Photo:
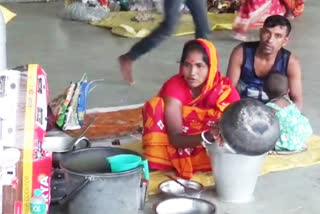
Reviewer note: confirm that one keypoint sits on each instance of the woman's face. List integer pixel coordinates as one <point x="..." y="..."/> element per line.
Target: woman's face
<point x="194" y="69"/>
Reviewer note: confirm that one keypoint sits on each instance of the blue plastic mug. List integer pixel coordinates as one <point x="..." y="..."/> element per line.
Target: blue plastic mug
<point x="124" y="162"/>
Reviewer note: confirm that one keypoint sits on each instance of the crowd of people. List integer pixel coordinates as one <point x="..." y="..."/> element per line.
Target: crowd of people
<point x="192" y="100"/>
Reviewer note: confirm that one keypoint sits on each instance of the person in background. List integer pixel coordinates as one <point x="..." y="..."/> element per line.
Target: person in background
<point x="253" y="13"/>
<point x="187" y="104"/>
<point x="251" y="62"/>
<point x="172" y="12"/>
<point x="294" y="127"/>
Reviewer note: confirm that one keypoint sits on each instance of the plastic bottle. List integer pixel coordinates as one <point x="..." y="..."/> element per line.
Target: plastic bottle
<point x="38" y="203"/>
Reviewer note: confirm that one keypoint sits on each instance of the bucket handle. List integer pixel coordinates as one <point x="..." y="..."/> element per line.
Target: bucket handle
<point x="88" y="144"/>
<point x="144" y="183"/>
<point x="67" y="197"/>
<point x="145" y="166"/>
<point x="205" y="142"/>
<point x="143" y="192"/>
<point x="154" y="207"/>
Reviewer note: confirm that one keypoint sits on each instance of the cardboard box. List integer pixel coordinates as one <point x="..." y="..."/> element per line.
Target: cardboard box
<point x="24" y="91"/>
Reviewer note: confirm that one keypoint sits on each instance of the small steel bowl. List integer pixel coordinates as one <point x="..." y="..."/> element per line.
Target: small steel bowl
<point x="172" y="188"/>
<point x="184" y="205"/>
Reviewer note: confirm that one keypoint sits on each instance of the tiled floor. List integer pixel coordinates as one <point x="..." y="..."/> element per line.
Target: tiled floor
<point x="67" y="49"/>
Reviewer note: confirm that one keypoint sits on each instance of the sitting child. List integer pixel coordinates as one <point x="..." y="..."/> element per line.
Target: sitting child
<point x="294" y="127"/>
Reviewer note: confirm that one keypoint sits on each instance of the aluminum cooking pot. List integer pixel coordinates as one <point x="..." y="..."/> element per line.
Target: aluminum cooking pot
<point x="59" y="143"/>
<point x="91" y="184"/>
<point x="249" y="127"/>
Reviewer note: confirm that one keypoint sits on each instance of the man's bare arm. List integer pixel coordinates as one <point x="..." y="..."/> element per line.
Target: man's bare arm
<point x="295" y="81"/>
<point x="235" y="63"/>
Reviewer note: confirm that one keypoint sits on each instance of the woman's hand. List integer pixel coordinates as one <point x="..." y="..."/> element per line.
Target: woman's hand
<point x="174" y="125"/>
<point x="216" y="134"/>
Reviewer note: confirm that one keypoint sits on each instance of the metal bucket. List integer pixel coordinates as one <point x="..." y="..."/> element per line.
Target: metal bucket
<point x="235" y="175"/>
<point x="92" y="188"/>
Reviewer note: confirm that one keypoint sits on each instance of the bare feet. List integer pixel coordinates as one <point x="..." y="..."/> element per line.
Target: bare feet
<point x="126" y="68"/>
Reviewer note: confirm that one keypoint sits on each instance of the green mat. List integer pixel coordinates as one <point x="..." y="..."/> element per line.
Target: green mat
<point x="122" y="25"/>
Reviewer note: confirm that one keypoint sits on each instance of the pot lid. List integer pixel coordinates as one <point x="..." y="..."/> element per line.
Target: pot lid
<point x="250" y="127"/>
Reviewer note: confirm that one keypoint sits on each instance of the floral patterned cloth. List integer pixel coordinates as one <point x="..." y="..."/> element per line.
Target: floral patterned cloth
<point x="294" y="127"/>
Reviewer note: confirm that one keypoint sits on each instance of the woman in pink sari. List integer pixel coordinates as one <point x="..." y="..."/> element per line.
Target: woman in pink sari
<point x="252" y="14"/>
<point x="185" y="107"/>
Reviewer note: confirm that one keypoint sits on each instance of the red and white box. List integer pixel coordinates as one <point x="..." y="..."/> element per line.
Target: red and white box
<point x="25" y="166"/>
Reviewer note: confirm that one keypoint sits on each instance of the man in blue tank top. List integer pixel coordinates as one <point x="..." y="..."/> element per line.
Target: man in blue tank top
<point x="251" y="62"/>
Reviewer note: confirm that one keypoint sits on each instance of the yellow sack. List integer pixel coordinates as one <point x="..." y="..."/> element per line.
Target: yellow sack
<point x="121" y="24"/>
<point x="8" y="15"/>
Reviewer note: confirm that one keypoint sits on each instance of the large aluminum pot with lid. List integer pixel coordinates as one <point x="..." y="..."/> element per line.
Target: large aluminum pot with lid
<point x="249" y="127"/>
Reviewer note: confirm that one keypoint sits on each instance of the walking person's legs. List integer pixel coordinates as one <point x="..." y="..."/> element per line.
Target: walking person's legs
<point x="198" y="10"/>
<point x="165" y="29"/>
